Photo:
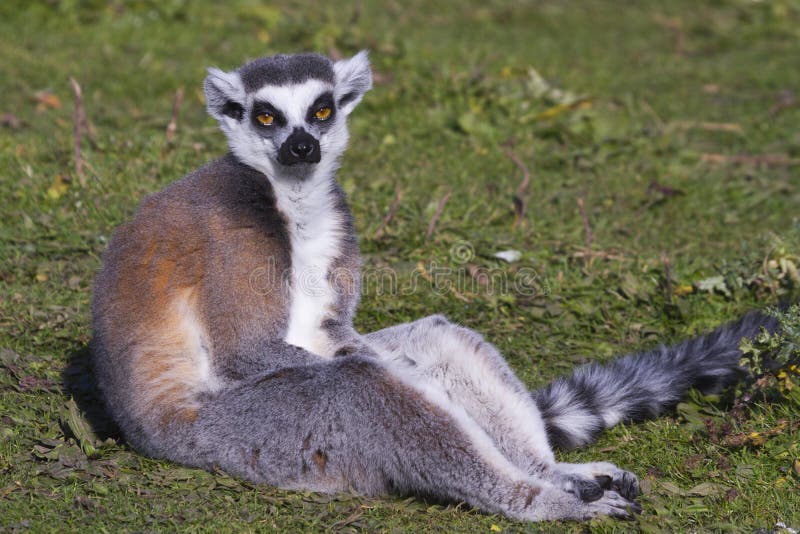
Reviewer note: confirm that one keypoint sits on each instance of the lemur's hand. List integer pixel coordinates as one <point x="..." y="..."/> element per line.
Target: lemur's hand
<point x="355" y="347"/>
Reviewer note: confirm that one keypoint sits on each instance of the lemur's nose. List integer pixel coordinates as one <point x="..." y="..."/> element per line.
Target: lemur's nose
<point x="301" y="149"/>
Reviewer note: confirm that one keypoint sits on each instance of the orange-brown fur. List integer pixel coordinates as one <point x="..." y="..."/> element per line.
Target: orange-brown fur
<point x="174" y="292"/>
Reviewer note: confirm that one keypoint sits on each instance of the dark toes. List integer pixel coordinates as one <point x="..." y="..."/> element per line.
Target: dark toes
<point x="627" y="510"/>
<point x="626" y="484"/>
<point x="604" y="481"/>
<point x="588" y="490"/>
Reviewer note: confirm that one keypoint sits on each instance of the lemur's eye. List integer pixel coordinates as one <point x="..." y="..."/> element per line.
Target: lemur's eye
<point x="322" y="114"/>
<point x="265" y="118"/>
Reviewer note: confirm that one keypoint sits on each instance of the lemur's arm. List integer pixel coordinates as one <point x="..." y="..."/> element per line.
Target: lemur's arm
<point x="265" y="356"/>
<point x="347" y="340"/>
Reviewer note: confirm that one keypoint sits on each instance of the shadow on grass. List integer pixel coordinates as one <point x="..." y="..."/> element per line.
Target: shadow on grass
<point x="79" y="381"/>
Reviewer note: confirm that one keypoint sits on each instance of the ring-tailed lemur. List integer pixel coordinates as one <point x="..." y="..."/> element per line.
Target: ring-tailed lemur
<point x="208" y="356"/>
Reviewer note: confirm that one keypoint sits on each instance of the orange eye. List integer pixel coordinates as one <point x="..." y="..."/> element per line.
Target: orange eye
<point x="265" y="118"/>
<point x="322" y="114"/>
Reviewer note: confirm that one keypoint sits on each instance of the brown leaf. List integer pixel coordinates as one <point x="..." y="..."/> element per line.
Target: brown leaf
<point x="46" y="100"/>
<point x="31" y="383"/>
<point x="10" y="120"/>
<point x="706" y="489"/>
<point x="665" y="190"/>
<point x="667" y="487"/>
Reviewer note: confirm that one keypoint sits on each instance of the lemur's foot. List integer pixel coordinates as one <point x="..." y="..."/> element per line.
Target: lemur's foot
<point x="565" y="500"/>
<point x="615" y="505"/>
<point x="589" y="481"/>
<point x="623" y="482"/>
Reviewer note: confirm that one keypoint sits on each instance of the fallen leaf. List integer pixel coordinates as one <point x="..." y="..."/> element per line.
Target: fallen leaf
<point x="683" y="289"/>
<point x="58" y="188"/>
<point x="471" y="124"/>
<point x="664" y="190"/>
<point x="714" y="284"/>
<point x="669" y="487"/>
<point x="509" y="256"/>
<point x="46" y="100"/>
<point x="10" y="120"/>
<point x="745" y="471"/>
<point x="80" y="429"/>
<point x="706" y="489"/>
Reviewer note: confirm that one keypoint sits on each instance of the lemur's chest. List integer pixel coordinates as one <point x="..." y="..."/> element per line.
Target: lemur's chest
<point x="315" y="237"/>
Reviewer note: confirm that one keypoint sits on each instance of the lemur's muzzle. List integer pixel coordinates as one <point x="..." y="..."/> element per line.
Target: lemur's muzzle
<point x="299" y="147"/>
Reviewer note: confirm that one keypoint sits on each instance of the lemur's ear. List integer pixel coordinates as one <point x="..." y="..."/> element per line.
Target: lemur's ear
<point x="224" y="95"/>
<point x="353" y="79"/>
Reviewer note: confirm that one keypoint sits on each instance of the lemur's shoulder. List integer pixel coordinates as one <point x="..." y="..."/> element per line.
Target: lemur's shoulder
<point x="224" y="183"/>
<point x="199" y="220"/>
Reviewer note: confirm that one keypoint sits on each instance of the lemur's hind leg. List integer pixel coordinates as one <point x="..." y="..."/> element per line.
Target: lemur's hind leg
<point x="474" y="375"/>
<point x="352" y="424"/>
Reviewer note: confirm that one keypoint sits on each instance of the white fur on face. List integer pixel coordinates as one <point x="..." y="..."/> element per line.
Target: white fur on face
<point x="293" y="100"/>
<point x="353" y="77"/>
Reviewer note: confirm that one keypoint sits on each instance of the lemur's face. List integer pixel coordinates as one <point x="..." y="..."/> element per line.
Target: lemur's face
<point x="286" y="115"/>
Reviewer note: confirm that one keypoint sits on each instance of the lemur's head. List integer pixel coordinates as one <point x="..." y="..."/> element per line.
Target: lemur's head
<point x="286" y="115"/>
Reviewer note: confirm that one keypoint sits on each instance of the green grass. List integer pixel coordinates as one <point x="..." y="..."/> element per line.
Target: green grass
<point x="453" y="91"/>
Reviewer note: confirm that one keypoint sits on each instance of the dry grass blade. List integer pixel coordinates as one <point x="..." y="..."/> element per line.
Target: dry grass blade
<point x="769" y="160"/>
<point x="78" y="126"/>
<point x="675" y="25"/>
<point x="172" y="126"/>
<point x="521" y="194"/>
<point x="730" y="127"/>
<point x="398" y="197"/>
<point x="587" y="229"/>
<point x="667" y="277"/>
<point x="435" y="218"/>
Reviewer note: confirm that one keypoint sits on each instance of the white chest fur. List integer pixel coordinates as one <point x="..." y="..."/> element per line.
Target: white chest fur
<point x="314" y="228"/>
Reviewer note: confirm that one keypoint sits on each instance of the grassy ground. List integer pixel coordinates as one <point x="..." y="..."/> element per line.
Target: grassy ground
<point x="673" y="125"/>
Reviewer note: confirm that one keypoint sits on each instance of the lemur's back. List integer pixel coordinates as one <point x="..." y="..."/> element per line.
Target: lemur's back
<point x="190" y="277"/>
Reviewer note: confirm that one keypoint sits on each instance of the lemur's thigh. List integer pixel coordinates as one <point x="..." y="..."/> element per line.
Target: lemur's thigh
<point x="474" y="375"/>
<point x="352" y="424"/>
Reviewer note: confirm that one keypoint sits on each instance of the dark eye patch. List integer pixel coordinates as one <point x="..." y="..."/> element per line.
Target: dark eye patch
<point x="233" y="109"/>
<point x="325" y="100"/>
<point x="259" y="108"/>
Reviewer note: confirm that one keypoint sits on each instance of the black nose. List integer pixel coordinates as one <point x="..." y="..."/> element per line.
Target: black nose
<point x="299" y="147"/>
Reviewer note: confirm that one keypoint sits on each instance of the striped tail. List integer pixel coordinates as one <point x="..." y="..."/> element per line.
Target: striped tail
<point x="596" y="396"/>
